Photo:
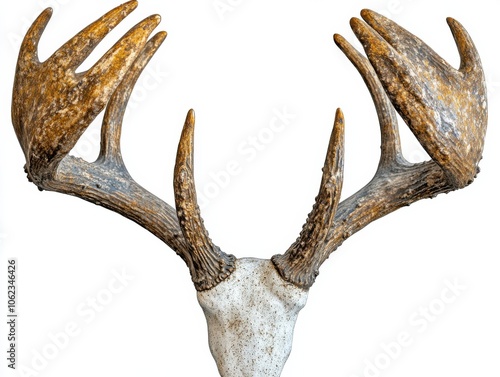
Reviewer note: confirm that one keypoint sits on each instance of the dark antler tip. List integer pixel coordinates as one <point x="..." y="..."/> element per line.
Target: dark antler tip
<point x="454" y="24"/>
<point x="354" y="22"/>
<point x="358" y="27"/>
<point x="451" y="20"/>
<point x="43" y="18"/>
<point x="338" y="39"/>
<point x="371" y="16"/>
<point x="366" y="13"/>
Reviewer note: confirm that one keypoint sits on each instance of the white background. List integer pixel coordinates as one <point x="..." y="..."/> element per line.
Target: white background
<point x="235" y="69"/>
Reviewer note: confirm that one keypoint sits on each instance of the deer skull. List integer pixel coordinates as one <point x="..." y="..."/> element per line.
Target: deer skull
<point x="250" y="305"/>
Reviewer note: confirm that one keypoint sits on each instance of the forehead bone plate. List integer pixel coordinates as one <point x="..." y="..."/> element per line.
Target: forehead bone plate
<point x="251" y="316"/>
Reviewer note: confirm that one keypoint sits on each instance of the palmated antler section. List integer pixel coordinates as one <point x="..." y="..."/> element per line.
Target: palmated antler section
<point x="444" y="107"/>
<point x="211" y="265"/>
<point x="53" y="105"/>
<point x="300" y="264"/>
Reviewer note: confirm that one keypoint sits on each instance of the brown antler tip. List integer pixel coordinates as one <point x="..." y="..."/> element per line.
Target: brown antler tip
<point x="354" y="22"/>
<point x="155" y="42"/>
<point x="365" y="13"/>
<point x="130" y="5"/>
<point x="370" y="15"/>
<point x="339" y="117"/>
<point x="342" y="43"/>
<point x="190" y="117"/>
<point x="363" y="32"/>
<point x="151" y="22"/>
<point x="156" y="18"/>
<point x="187" y="136"/>
<point x="470" y="62"/>
<point x="47" y="12"/>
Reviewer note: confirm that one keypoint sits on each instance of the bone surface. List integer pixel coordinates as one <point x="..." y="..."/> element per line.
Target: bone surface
<point x="250" y="317"/>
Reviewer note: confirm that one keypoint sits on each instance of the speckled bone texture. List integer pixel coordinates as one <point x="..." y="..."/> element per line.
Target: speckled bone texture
<point x="251" y="317"/>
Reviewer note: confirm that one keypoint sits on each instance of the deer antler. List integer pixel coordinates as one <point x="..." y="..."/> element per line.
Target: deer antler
<point x="51" y="108"/>
<point x="445" y="108"/>
<point x="251" y="305"/>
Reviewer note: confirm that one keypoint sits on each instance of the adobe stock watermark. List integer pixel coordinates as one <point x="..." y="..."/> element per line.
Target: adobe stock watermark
<point x="418" y="322"/>
<point x="150" y="80"/>
<point x="225" y="7"/>
<point x="246" y="152"/>
<point x="16" y="38"/>
<point x="493" y="84"/>
<point x="393" y="7"/>
<point x="86" y="312"/>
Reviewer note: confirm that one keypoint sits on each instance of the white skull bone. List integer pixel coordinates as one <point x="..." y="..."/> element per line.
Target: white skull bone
<point x="251" y="317"/>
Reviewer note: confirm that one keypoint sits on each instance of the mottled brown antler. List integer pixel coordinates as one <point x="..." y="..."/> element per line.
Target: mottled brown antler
<point x="207" y="257"/>
<point x="444" y="107"/>
<point x="53" y="105"/>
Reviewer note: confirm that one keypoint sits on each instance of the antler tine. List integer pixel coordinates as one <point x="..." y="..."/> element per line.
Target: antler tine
<point x="29" y="47"/>
<point x="26" y="62"/>
<point x="469" y="57"/>
<point x="110" y="152"/>
<point x="391" y="152"/>
<point x="210" y="264"/>
<point x="300" y="263"/>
